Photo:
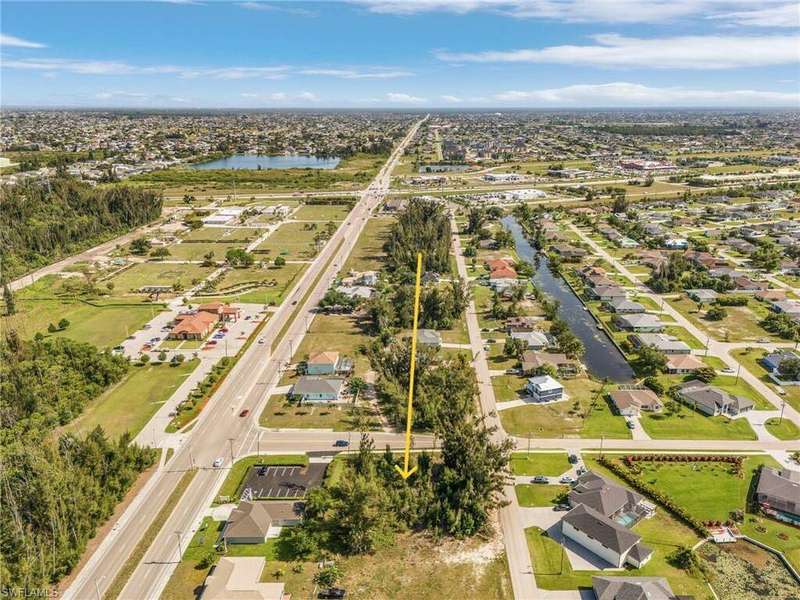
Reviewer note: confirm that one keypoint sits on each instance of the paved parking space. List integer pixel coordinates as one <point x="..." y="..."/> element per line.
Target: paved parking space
<point x="283" y="481"/>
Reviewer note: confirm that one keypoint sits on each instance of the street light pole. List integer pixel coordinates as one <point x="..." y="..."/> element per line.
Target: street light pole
<point x="97" y="587"/>
<point x="180" y="547"/>
<point x="783" y="405"/>
<point x="230" y="441"/>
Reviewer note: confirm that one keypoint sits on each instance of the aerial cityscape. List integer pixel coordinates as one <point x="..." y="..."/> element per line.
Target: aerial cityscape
<point x="383" y="299"/>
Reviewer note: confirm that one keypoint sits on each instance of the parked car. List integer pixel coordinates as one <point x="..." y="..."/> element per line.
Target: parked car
<point x="513" y="371"/>
<point x="218" y="462"/>
<point x="539" y="479"/>
<point x="566" y="479"/>
<point x="630" y="424"/>
<point x="561" y="507"/>
<point x="245" y="412"/>
<point x="332" y="594"/>
<point x="224" y="330"/>
<point x="341" y="444"/>
<point x="211" y="342"/>
<point x="726" y="370"/>
<point x="581" y="470"/>
<point x="573" y="459"/>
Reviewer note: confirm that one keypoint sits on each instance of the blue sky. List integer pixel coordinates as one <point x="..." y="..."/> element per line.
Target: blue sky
<point x="401" y="53"/>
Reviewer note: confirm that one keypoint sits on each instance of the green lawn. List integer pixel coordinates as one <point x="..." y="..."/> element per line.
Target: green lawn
<point x="293" y="241"/>
<point x="322" y="212"/>
<point x="154" y="273"/>
<point x="539" y="494"/>
<point x="198" y="250"/>
<point x="687" y="424"/>
<point x="281" y="413"/>
<point x="130" y="404"/>
<point x="223" y="234"/>
<point x="551" y="464"/>
<point x="749" y="358"/>
<point x="783" y="429"/>
<point x="586" y="414"/>
<point x="684" y="336"/>
<point x="740" y="325"/>
<point x="775" y="534"/>
<point x="368" y="254"/>
<point x="256" y="285"/>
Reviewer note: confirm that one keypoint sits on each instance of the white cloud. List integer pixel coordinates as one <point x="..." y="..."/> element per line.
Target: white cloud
<point x="453" y="99"/>
<point x="278" y="7"/>
<point x="15" y="42"/>
<point x="785" y="15"/>
<point x="618" y="94"/>
<point x="404" y="98"/>
<point x="688" y="52"/>
<point x="354" y="74"/>
<point x="593" y="11"/>
<point x="281" y="96"/>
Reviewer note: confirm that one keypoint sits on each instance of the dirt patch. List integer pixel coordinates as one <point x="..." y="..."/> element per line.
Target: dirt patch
<point x="749" y="553"/>
<point x="478" y="552"/>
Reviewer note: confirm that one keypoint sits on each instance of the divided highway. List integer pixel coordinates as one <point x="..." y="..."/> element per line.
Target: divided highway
<point x="221" y="433"/>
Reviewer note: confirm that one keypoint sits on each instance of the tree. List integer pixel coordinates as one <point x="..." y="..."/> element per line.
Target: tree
<point x="162" y="356"/>
<point x="208" y="259"/>
<point x="654" y="384"/>
<point x="766" y="256"/>
<point x="620" y="202"/>
<point x="63" y="324"/>
<point x="279" y="261"/>
<point x="705" y="374"/>
<point x="52" y="328"/>
<point x="650" y="361"/>
<point x="160" y="253"/>
<point x="110" y="286"/>
<point x="144" y="358"/>
<point x="476" y="217"/>
<point x="328" y="576"/>
<point x="789" y="369"/>
<point x="140" y="246"/>
<point x="239" y="257"/>
<point x="513" y="348"/>
<point x="716" y="313"/>
<point x="356" y="386"/>
<point x="8" y="299"/>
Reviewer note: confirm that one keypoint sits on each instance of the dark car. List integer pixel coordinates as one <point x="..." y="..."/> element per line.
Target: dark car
<point x="573" y="459"/>
<point x="341" y="443"/>
<point x="245" y="412"/>
<point x="332" y="594"/>
<point x="540" y="479"/>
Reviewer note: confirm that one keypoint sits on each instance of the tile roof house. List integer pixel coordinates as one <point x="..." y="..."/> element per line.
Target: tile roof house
<point x="239" y="578"/>
<point x="195" y="326"/>
<point x="770" y="295"/>
<point x="632" y="588"/>
<point x="630" y="403"/>
<point x="778" y="492"/>
<point x="532" y="360"/>
<point x="712" y="400"/>
<point x="683" y="363"/>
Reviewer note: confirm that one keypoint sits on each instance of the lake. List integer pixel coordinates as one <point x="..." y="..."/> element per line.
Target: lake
<point x="603" y="359"/>
<point x="281" y="161"/>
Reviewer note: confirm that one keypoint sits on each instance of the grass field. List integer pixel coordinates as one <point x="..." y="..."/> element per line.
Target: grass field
<point x="152" y="273"/>
<point x="293" y="241"/>
<point x="586" y="414"/>
<point x="255" y="285"/>
<point x="367" y="254"/>
<point x="223" y="234"/>
<point x="197" y="250"/>
<point x="539" y="494"/>
<point x="130" y="404"/>
<point x="782" y="429"/>
<point x="322" y="212"/>
<point x="687" y="424"/>
<point x="740" y="325"/>
<point x="750" y="360"/>
<point x="550" y="464"/>
<point x="280" y="413"/>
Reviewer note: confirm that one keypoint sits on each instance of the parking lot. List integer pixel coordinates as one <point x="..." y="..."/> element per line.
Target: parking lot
<point x="283" y="481"/>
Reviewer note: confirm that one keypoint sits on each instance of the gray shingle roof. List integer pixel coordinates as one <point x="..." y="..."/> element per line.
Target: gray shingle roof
<point x="632" y="588"/>
<point x="602" y="495"/>
<point x="599" y="527"/>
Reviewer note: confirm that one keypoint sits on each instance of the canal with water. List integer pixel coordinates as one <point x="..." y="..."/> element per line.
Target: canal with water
<point x="264" y="161"/>
<point x="603" y="359"/>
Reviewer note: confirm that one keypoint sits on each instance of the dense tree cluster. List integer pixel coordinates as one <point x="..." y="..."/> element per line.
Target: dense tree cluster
<point x="393" y="306"/>
<point x="55" y="489"/>
<point x="45" y="221"/>
<point x="422" y="227"/>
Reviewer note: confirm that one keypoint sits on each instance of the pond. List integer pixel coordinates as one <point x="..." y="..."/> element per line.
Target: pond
<point x="603" y="359"/>
<point x="264" y="161"/>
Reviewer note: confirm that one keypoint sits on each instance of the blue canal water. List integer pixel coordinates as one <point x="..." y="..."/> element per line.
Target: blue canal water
<point x="603" y="359"/>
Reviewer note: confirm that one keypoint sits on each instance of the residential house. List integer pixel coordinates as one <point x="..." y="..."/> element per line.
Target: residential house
<point x="632" y="588"/>
<point x="544" y="388"/>
<point x="502" y="277"/>
<point x="712" y="400"/>
<point x="531" y="361"/>
<point x="665" y="344"/>
<point x="239" y="578"/>
<point x="629" y="403"/>
<point x="778" y="493"/>
<point x="248" y="523"/>
<point x="522" y="323"/>
<point x="429" y="337"/>
<point x="702" y="295"/>
<point x="642" y="322"/>
<point x="626" y="242"/>
<point x="534" y="340"/>
<point x="393" y="205"/>
<point x="683" y="363"/>
<point x="568" y="252"/>
<point x="605" y="293"/>
<point x="624" y="306"/>
<point x="746" y="284"/>
<point x="789" y="307"/>
<point x="770" y="295"/>
<point x="359" y="292"/>
<point x="676" y="243"/>
<point x="600" y="281"/>
<point x="328" y="363"/>
<point x="605" y="537"/>
<point x="310" y="388"/>
<point x="741" y="246"/>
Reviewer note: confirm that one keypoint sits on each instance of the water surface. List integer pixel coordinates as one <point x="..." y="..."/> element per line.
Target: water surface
<point x="264" y="161"/>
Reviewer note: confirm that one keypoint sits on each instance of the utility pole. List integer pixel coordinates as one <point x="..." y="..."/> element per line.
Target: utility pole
<point x="180" y="548"/>
<point x="230" y="442"/>
<point x="738" y="370"/>
<point x="97" y="587"/>
<point x="602" y="438"/>
<point x="783" y="405"/>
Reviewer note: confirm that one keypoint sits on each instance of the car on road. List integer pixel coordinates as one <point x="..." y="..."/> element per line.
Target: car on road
<point x="539" y="479"/>
<point x="244" y="412"/>
<point x="211" y="343"/>
<point x="630" y="424"/>
<point x="566" y="479"/>
<point x="260" y="340"/>
<point x="218" y="462"/>
<point x="224" y="330"/>
<point x="341" y="444"/>
<point x="294" y="302"/>
<point x="726" y="370"/>
<point x="573" y="459"/>
<point x="581" y="471"/>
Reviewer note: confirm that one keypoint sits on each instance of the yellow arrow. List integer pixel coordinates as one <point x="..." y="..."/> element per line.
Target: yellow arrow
<point x="404" y="472"/>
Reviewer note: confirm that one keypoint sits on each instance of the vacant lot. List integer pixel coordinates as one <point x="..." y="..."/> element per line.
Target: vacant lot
<point x="256" y="285"/>
<point x="223" y="234"/>
<point x="540" y="494"/>
<point x="281" y="413"/>
<point x="687" y="424"/>
<point x="293" y="241"/>
<point x="129" y="405"/>
<point x="322" y="212"/>
<point x="153" y="273"/>
<point x="196" y="251"/>
<point x="551" y="464"/>
<point x="367" y="255"/>
<point x="740" y="325"/>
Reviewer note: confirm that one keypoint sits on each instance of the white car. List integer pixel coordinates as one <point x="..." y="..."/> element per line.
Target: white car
<point x="567" y="479"/>
<point x="218" y="462"/>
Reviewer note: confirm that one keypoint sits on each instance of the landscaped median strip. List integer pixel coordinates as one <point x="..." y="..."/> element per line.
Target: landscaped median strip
<point x="139" y="551"/>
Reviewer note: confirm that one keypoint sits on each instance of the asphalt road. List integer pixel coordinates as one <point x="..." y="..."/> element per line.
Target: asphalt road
<point x="220" y="432"/>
